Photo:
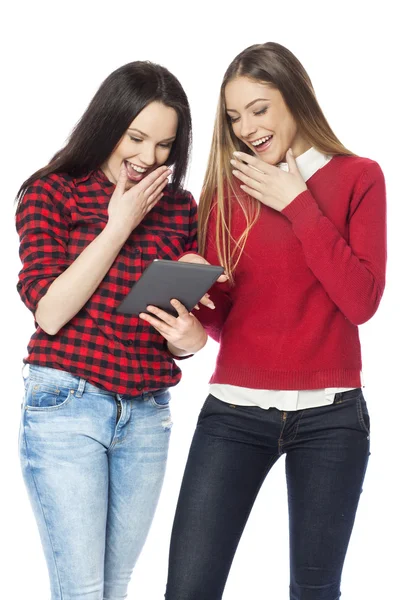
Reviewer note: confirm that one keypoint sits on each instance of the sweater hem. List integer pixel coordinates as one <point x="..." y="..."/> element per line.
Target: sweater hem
<point x="287" y="380"/>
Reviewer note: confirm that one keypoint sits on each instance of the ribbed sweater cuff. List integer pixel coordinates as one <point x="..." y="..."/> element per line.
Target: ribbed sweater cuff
<point x="298" y="205"/>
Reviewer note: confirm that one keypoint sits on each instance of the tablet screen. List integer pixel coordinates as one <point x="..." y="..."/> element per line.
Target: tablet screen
<point x="164" y="280"/>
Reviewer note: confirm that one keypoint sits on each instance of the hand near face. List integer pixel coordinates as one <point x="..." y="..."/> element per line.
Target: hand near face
<point x="127" y="209"/>
<point x="269" y="184"/>
<point x="184" y="331"/>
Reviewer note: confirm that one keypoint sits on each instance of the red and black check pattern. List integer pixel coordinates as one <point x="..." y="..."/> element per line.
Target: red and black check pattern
<point x="58" y="217"/>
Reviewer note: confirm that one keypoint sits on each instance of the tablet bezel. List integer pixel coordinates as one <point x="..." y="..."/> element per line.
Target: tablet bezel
<point x="192" y="281"/>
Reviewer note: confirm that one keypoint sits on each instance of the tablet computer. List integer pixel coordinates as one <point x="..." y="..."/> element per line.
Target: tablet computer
<point x="164" y="280"/>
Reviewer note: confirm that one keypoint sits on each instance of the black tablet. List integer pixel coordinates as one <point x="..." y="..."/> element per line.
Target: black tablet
<point x="164" y="280"/>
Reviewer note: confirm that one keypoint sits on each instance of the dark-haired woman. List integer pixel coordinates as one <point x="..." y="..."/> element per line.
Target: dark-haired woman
<point x="299" y="225"/>
<point x="96" y="419"/>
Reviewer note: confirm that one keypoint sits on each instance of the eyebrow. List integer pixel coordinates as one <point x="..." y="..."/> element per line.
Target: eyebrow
<point x="171" y="139"/>
<point x="249" y="104"/>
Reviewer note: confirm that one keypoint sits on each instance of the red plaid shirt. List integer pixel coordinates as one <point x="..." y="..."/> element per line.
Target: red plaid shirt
<point x="58" y="217"/>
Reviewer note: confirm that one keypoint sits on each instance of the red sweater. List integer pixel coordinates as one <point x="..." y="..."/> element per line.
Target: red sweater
<point x="308" y="276"/>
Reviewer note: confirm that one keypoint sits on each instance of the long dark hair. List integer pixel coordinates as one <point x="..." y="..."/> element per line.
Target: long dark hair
<point x="118" y="101"/>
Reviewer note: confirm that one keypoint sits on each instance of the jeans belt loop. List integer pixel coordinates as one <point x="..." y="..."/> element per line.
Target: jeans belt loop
<point x="81" y="387"/>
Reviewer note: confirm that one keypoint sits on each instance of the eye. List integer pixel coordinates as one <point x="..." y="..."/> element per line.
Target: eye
<point x="167" y="145"/>
<point x="133" y="139"/>
<point x="262" y="111"/>
<point x="232" y="119"/>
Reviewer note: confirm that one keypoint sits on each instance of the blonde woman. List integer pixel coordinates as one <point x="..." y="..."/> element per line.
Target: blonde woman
<point x="298" y="222"/>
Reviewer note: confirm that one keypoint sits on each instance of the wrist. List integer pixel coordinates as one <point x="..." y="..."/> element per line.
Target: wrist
<point x="200" y="344"/>
<point x="116" y="233"/>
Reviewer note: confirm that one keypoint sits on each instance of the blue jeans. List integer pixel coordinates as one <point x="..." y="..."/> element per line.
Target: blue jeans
<point x="93" y="463"/>
<point x="233" y="449"/>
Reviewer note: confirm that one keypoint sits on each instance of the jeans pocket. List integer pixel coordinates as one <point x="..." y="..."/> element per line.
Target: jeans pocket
<point x="363" y="414"/>
<point x="205" y="405"/>
<point x="46" y="397"/>
<point x="160" y="399"/>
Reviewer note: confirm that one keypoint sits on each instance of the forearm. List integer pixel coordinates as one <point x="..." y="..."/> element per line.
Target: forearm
<point x="73" y="288"/>
<point x="354" y="280"/>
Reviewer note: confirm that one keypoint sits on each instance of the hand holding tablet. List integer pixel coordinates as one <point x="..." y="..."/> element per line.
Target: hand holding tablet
<point x="164" y="280"/>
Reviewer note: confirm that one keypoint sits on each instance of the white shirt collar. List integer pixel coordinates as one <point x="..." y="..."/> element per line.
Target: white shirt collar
<point x="309" y="162"/>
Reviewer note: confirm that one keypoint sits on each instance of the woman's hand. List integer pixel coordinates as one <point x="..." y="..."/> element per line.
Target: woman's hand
<point x="269" y="184"/>
<point x="127" y="209"/>
<point x="183" y="332"/>
<point x="196" y="258"/>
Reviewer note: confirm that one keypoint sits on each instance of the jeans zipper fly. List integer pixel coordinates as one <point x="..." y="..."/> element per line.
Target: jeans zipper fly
<point x="119" y="409"/>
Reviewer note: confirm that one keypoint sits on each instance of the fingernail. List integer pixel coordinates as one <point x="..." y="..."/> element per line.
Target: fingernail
<point x="290" y="152"/>
<point x="211" y="305"/>
<point x="233" y="162"/>
<point x="236" y="153"/>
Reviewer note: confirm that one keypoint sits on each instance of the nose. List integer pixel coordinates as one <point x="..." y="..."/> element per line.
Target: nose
<point x="247" y="128"/>
<point x="148" y="155"/>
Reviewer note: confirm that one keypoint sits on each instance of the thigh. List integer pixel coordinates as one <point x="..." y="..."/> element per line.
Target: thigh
<point x="325" y="467"/>
<point x="223" y="475"/>
<point x="137" y="462"/>
<point x="66" y="473"/>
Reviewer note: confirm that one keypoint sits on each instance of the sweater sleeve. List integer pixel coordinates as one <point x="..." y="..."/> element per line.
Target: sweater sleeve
<point x="44" y="235"/>
<point x="213" y="320"/>
<point x="352" y="273"/>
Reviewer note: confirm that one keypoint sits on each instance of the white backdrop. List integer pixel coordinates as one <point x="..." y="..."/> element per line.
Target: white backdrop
<point x="55" y="56"/>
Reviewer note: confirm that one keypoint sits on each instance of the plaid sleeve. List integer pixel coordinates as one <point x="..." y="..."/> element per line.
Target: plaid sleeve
<point x="43" y="230"/>
<point x="191" y="244"/>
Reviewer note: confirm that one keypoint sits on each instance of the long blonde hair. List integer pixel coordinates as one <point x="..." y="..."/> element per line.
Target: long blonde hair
<point x="275" y="65"/>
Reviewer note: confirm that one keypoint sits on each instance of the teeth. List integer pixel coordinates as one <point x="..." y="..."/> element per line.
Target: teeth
<point x="262" y="140"/>
<point x="138" y="169"/>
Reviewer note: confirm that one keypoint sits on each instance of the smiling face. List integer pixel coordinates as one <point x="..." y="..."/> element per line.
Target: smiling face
<point x="146" y="144"/>
<point x="260" y="118"/>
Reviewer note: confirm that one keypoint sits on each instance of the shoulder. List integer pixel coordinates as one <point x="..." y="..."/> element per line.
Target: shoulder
<point x="49" y="194"/>
<point x="358" y="168"/>
<point x="181" y="197"/>
<point x="53" y="186"/>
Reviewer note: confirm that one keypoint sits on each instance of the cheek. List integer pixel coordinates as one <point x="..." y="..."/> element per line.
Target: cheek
<point x="289" y="130"/>
<point x="236" y="129"/>
<point x="162" y="155"/>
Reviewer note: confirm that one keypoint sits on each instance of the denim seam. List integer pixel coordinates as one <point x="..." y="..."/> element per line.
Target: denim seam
<point x="203" y="408"/>
<point x="280" y="439"/>
<point x="43" y="513"/>
<point x="296" y="430"/>
<point x="361" y="417"/>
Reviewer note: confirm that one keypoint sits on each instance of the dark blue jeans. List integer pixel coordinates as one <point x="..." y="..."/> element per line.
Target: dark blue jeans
<point x="233" y="449"/>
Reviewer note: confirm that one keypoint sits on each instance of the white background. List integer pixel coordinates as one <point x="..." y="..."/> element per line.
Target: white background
<point x="55" y="56"/>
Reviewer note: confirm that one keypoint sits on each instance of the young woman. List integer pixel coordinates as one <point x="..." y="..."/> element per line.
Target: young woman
<point x="299" y="225"/>
<point x="95" y="420"/>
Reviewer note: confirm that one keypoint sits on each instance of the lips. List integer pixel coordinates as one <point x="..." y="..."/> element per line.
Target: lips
<point x="262" y="144"/>
<point x="135" y="172"/>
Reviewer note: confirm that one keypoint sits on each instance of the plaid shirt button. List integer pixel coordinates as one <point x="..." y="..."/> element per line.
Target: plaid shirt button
<point x="58" y="218"/>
